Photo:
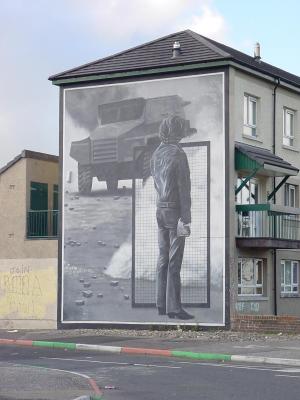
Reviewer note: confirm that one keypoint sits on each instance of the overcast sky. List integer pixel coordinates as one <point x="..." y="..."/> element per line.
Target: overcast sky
<point x="39" y="38"/>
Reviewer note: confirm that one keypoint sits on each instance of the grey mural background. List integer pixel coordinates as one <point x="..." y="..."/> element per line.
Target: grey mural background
<point x="97" y="226"/>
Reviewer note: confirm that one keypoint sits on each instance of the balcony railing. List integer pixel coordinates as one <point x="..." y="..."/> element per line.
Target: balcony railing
<point x="42" y="224"/>
<point x="268" y="221"/>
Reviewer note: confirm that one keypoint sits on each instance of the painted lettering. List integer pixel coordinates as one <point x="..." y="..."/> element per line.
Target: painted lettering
<point x="254" y="307"/>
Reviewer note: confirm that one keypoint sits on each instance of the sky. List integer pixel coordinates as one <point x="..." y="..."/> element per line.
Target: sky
<point x="39" y="38"/>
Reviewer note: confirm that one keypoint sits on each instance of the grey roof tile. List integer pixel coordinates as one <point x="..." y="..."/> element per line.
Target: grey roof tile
<point x="260" y="66"/>
<point x="153" y="54"/>
<point x="195" y="48"/>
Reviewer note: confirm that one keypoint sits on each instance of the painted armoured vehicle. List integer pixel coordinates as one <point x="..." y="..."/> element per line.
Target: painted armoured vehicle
<point x="123" y="125"/>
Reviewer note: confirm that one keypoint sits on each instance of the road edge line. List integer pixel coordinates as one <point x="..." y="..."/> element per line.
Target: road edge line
<point x="266" y="360"/>
<point x="152" y="352"/>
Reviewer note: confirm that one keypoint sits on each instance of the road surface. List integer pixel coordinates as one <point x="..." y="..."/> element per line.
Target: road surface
<point x="47" y="374"/>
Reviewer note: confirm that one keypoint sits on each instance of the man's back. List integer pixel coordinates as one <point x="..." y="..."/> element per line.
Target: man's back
<point x="164" y="171"/>
<point x="171" y="174"/>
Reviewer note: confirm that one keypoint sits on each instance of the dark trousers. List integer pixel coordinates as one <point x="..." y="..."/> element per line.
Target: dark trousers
<point x="171" y="249"/>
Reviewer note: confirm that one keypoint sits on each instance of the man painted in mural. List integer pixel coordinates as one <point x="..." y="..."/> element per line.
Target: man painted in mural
<point x="171" y="174"/>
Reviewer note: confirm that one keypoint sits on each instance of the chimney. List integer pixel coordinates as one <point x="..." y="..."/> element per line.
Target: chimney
<point x="257" y="56"/>
<point x="176" y="50"/>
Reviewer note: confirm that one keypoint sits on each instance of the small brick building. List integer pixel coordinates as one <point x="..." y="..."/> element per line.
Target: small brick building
<point x="28" y="246"/>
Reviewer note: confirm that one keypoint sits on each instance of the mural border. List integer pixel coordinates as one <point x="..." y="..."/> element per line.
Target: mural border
<point x="61" y="323"/>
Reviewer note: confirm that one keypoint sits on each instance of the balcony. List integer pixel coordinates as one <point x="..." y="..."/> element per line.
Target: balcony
<point x="268" y="226"/>
<point x="42" y="224"/>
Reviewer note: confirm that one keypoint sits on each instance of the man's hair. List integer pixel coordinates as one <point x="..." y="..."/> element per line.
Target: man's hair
<point x="172" y="129"/>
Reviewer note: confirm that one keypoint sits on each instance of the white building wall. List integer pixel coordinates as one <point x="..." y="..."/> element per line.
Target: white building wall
<point x="241" y="83"/>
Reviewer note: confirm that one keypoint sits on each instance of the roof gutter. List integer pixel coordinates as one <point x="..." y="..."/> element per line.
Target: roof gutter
<point x="136" y="73"/>
<point x="170" y="69"/>
<point x="277" y="83"/>
<point x="280" y="171"/>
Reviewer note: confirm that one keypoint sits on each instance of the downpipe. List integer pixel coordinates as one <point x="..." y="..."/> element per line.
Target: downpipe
<point x="277" y="80"/>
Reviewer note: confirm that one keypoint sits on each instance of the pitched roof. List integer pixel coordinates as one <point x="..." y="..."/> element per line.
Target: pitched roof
<point x="264" y="158"/>
<point x="261" y="66"/>
<point x="195" y="48"/>
<point x="30" y="154"/>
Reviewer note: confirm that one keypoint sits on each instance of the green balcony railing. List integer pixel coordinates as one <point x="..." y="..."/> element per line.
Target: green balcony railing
<point x="42" y="224"/>
<point x="267" y="221"/>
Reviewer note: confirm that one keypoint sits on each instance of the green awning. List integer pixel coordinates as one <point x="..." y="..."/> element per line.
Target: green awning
<point x="249" y="158"/>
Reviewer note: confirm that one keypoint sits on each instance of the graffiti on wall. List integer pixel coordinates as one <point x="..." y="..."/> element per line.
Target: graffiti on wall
<point x="245" y="306"/>
<point x="144" y="202"/>
<point x="28" y="289"/>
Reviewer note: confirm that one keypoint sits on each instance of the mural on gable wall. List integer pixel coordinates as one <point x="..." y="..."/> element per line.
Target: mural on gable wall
<point x="144" y="202"/>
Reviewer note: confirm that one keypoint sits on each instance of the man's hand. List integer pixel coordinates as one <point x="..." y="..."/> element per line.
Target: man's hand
<point x="188" y="229"/>
<point x="183" y="229"/>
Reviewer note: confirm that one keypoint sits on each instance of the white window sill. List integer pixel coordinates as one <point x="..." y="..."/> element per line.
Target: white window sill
<point x="252" y="298"/>
<point x="254" y="138"/>
<point x="284" y="146"/>
<point x="289" y="295"/>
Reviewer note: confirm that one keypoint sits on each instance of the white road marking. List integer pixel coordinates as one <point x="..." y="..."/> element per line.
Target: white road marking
<point x="228" y="366"/>
<point x="256" y="346"/>
<point x="288" y="348"/>
<point x="68" y="372"/>
<point x="49" y="368"/>
<point x="289" y="370"/>
<point x="157" y="366"/>
<point x="110" y="362"/>
<point x="250" y="346"/>
<point x="289" y="376"/>
<point x="88" y="361"/>
<point x="234" y="366"/>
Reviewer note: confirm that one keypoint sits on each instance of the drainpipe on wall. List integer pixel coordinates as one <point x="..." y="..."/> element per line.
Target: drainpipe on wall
<point x="277" y="80"/>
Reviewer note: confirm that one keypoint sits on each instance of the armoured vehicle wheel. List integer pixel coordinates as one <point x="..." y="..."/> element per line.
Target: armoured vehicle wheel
<point x="112" y="185"/>
<point x="85" y="179"/>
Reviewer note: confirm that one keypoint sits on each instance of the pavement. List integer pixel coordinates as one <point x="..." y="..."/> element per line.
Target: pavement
<point x="22" y="382"/>
<point x="206" y="345"/>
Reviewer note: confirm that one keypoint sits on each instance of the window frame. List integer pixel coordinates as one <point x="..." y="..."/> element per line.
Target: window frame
<point x="37" y="221"/>
<point x="288" y="139"/>
<point x="251" y="125"/>
<point x="283" y="284"/>
<point x="288" y="188"/>
<point x="253" y="286"/>
<point x="252" y="188"/>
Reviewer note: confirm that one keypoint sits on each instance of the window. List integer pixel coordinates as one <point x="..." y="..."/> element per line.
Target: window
<point x="38" y="196"/>
<point x="289" y="276"/>
<point x="249" y="222"/>
<point x="290" y="195"/>
<point x="42" y="222"/>
<point x="288" y="127"/>
<point x="37" y="219"/>
<point x="250" y="277"/>
<point x="249" y="193"/>
<point x="250" y="115"/>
